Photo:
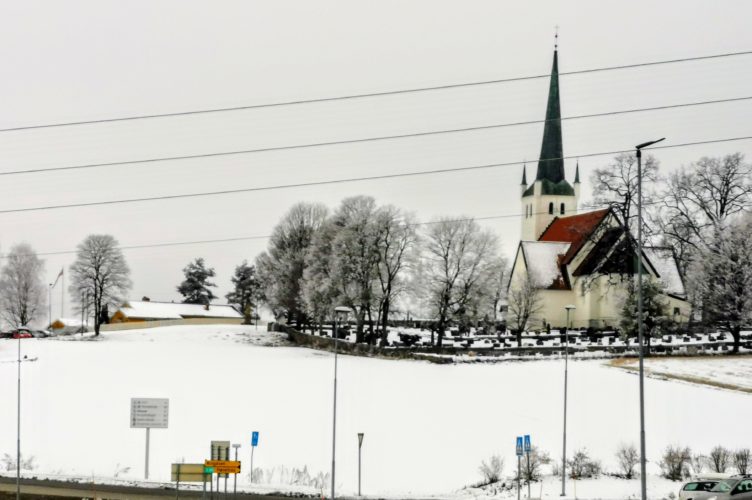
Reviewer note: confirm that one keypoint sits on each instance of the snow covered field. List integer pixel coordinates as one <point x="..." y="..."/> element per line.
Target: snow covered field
<point x="736" y="372"/>
<point x="427" y="427"/>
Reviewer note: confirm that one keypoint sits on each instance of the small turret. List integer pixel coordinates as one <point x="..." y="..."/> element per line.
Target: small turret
<point x="577" y="185"/>
<point x="524" y="177"/>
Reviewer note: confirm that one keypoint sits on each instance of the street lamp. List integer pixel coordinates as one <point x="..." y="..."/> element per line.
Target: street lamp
<point x="340" y="313"/>
<point x="360" y="445"/>
<point x="639" y="148"/>
<point x="569" y="307"/>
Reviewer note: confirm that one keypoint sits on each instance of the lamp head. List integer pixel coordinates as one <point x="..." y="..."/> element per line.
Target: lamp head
<point x="649" y="143"/>
<point x="570" y="307"/>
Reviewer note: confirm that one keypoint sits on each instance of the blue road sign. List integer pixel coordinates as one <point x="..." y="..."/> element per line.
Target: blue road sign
<point x="519" y="446"/>
<point x="527" y="443"/>
<point x="254" y="438"/>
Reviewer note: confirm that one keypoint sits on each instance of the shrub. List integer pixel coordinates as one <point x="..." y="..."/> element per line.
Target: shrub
<point x="741" y="460"/>
<point x="719" y="459"/>
<point x="675" y="462"/>
<point x="531" y="470"/>
<point x="697" y="463"/>
<point x="491" y="470"/>
<point x="582" y="466"/>
<point x="628" y="458"/>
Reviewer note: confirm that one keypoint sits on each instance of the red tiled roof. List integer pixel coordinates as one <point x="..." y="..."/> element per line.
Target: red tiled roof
<point x="574" y="229"/>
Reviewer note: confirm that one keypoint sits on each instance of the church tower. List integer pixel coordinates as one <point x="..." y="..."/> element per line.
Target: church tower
<point x="550" y="195"/>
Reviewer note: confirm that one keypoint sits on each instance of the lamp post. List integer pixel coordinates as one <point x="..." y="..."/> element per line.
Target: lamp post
<point x="360" y="445"/>
<point x="339" y="312"/>
<point x="569" y="307"/>
<point x="638" y="152"/>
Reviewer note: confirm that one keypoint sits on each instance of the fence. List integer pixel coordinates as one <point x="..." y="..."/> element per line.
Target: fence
<point x="138" y="325"/>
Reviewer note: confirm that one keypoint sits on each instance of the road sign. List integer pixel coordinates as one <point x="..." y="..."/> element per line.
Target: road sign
<point x="193" y="473"/>
<point x="220" y="450"/>
<point x="208" y="470"/>
<point x="519" y="446"/>
<point x="527" y="443"/>
<point x="224" y="466"/>
<point x="254" y="438"/>
<point x="149" y="413"/>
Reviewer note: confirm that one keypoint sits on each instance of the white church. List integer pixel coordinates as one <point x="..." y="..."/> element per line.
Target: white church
<point x="580" y="258"/>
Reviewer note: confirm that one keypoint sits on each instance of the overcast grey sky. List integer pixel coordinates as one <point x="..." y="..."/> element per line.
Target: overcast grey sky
<point x="80" y="60"/>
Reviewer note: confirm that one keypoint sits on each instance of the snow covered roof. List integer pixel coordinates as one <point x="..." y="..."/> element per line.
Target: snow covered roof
<point x="543" y="262"/>
<point x="664" y="263"/>
<point x="138" y="309"/>
<point x="70" y="322"/>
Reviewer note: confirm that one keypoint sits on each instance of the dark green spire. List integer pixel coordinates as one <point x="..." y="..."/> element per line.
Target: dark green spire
<point x="551" y="162"/>
<point x="577" y="173"/>
<point x="524" y="174"/>
<point x="550" y="165"/>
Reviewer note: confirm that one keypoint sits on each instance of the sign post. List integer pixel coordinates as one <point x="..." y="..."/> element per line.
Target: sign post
<point x="519" y="462"/>
<point x="254" y="443"/>
<point x="528" y="473"/>
<point x="360" y="445"/>
<point x="235" y="476"/>
<point x="149" y="413"/>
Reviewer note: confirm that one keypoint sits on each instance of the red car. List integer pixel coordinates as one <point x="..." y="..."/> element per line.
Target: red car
<point x="22" y="334"/>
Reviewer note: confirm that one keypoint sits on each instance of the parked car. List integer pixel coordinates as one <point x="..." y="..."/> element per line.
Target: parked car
<point x="6" y="335"/>
<point x="736" y="488"/>
<point x="41" y="334"/>
<point x="22" y="334"/>
<point x="699" y="487"/>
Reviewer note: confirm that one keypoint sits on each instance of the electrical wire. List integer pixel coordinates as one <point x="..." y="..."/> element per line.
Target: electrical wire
<point x="372" y="94"/>
<point x="348" y="180"/>
<point x="368" y="139"/>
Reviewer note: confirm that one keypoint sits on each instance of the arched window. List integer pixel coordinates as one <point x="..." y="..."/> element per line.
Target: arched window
<point x="561" y="209"/>
<point x="551" y="208"/>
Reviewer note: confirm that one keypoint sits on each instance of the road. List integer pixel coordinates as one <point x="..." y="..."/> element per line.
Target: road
<point x="39" y="489"/>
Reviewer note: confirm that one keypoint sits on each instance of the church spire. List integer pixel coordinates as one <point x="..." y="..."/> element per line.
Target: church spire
<point x="577" y="172"/>
<point x="524" y="174"/>
<point x="551" y="163"/>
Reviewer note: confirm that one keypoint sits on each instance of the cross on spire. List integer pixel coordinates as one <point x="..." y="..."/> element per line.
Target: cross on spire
<point x="556" y="38"/>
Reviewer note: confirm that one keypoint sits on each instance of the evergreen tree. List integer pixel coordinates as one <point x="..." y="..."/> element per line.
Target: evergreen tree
<point x="195" y="287"/>
<point x="246" y="292"/>
<point x="654" y="310"/>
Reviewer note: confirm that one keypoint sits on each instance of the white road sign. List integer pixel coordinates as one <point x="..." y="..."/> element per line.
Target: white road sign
<point x="149" y="412"/>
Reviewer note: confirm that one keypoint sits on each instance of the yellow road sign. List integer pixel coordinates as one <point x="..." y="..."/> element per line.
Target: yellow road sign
<point x="222" y="463"/>
<point x="227" y="470"/>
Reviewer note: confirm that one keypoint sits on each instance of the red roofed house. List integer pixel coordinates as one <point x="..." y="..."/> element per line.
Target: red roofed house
<point x="582" y="259"/>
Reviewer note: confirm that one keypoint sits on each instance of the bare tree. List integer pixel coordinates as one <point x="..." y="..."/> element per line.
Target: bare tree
<point x="21" y="286"/>
<point x="719" y="459"/>
<point x="100" y="275"/>
<point x="741" y="460"/>
<point x="499" y="283"/>
<point x="700" y="200"/>
<point x="615" y="186"/>
<point x="533" y="463"/>
<point x="458" y="257"/>
<point x="396" y="237"/>
<point x="627" y="457"/>
<point x="675" y="462"/>
<point x="492" y="470"/>
<point x="523" y="303"/>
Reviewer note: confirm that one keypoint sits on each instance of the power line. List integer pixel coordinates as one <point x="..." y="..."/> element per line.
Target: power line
<point x="348" y="180"/>
<point x="248" y="238"/>
<point x="371" y="94"/>
<point x="369" y="139"/>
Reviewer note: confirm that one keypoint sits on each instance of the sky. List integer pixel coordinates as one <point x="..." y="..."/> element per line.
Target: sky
<point x="88" y="60"/>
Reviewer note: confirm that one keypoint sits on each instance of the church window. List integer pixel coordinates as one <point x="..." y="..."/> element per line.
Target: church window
<point x="551" y="208"/>
<point x="561" y="209"/>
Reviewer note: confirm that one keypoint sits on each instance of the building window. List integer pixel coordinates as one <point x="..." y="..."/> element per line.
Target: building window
<point x="561" y="209"/>
<point x="551" y="208"/>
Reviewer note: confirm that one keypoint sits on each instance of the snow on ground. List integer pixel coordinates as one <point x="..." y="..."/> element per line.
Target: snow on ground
<point x="427" y="426"/>
<point x="736" y="371"/>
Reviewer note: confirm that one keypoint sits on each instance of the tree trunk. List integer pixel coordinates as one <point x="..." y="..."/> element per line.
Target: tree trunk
<point x="518" y="333"/>
<point x="736" y="334"/>
<point x="359" y="325"/>
<point x="384" y="317"/>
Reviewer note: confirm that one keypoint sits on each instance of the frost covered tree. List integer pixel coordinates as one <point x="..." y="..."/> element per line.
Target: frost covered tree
<point x="100" y="275"/>
<point x="498" y="284"/>
<point x="700" y="200"/>
<point x="524" y="302"/>
<point x="726" y="284"/>
<point x="281" y="267"/>
<point x="615" y="186"/>
<point x="21" y="286"/>
<point x="246" y="291"/>
<point x="458" y="257"/>
<point x="196" y="287"/>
